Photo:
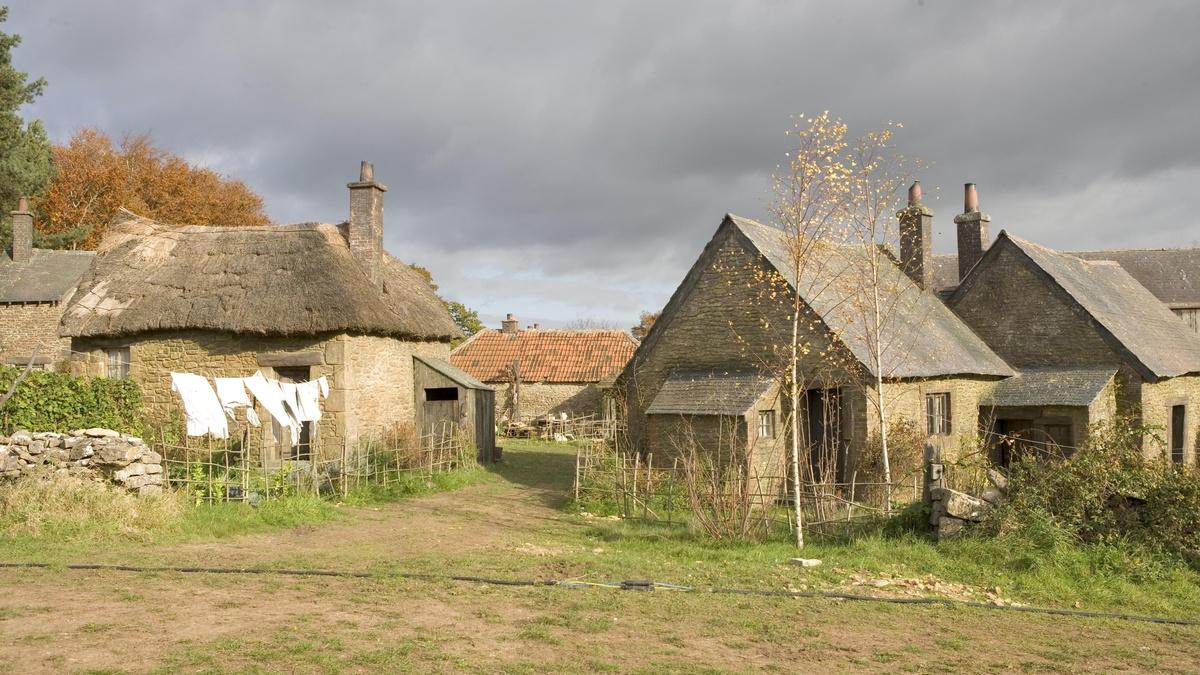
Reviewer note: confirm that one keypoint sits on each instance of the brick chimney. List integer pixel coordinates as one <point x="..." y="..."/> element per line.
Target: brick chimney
<point x="509" y="325"/>
<point x="972" y="231"/>
<point x="916" y="239"/>
<point x="365" y="231"/>
<point x="22" y="232"/>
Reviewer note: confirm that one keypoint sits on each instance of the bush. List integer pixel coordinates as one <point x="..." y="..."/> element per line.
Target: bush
<point x="1106" y="493"/>
<point x="46" y="401"/>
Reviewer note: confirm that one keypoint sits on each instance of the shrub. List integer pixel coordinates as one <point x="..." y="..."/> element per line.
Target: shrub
<point x="46" y="401"/>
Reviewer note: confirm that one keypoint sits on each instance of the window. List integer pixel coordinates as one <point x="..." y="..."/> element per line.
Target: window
<point x="441" y="394"/>
<point x="118" y="362"/>
<point x="766" y="424"/>
<point x="937" y="414"/>
<point x="1178" y="416"/>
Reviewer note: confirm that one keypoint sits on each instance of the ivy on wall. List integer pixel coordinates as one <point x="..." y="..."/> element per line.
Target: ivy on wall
<point x="46" y="401"/>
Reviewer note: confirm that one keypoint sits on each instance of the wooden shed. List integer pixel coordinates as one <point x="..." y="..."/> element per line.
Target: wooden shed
<point x="446" y="394"/>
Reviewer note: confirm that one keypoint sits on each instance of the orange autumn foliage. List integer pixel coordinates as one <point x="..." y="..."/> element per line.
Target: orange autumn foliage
<point x="94" y="179"/>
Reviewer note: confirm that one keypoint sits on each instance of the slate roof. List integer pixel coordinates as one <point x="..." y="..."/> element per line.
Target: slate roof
<point x="448" y="369"/>
<point x="1051" y="386"/>
<point x="945" y="273"/>
<point x="709" y="392"/>
<point x="1171" y="274"/>
<point x="922" y="337"/>
<point x="566" y="356"/>
<point x="1133" y="317"/>
<point x="46" y="277"/>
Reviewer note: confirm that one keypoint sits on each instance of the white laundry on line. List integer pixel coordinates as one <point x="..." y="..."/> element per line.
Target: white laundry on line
<point x="232" y="393"/>
<point x="307" y="397"/>
<point x="201" y="406"/>
<point x="271" y="397"/>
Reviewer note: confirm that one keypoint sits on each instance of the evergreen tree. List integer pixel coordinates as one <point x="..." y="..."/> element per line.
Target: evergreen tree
<point x="25" y="166"/>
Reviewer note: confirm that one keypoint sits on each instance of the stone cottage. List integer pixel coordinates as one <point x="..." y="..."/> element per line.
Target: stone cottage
<point x="710" y="370"/>
<point x="34" y="287"/>
<point x="538" y="372"/>
<point x="296" y="301"/>
<point x="1088" y="341"/>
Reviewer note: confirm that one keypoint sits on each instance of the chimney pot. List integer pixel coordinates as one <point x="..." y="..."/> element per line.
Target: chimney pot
<point x="366" y="172"/>
<point x="970" y="198"/>
<point x="914" y="193"/>
<point x="22" y="232"/>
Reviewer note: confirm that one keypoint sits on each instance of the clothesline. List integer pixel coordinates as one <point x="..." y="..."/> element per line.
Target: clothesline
<point x="208" y="411"/>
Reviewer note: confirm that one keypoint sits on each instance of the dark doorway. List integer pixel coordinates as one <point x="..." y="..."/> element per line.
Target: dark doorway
<point x="1178" y="417"/>
<point x="302" y="451"/>
<point x="1012" y="435"/>
<point x="823" y="408"/>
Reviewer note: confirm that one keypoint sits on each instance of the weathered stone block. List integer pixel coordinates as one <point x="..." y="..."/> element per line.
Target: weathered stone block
<point x="997" y="479"/>
<point x="151" y="457"/>
<point x="118" y="455"/>
<point x="83" y="451"/>
<point x="153" y="468"/>
<point x="962" y="505"/>
<point x="948" y="528"/>
<point x="36" y="447"/>
<point x="97" y="432"/>
<point x="21" y="438"/>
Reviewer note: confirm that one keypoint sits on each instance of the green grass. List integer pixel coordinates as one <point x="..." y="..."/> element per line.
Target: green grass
<point x="414" y="485"/>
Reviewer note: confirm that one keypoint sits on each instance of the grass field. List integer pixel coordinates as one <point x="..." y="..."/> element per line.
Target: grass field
<point x="514" y="523"/>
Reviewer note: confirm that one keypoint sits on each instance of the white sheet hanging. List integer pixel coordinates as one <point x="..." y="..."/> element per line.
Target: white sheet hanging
<point x="269" y="394"/>
<point x="232" y="393"/>
<point x="201" y="406"/>
<point x="323" y="382"/>
<point x="289" y="399"/>
<point x="307" y="397"/>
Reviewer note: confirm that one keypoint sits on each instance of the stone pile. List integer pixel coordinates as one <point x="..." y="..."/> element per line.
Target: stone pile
<point x="102" y="454"/>
<point x="953" y="510"/>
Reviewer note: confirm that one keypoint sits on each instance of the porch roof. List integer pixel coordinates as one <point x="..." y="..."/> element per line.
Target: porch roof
<point x="1050" y="386"/>
<point x="717" y="391"/>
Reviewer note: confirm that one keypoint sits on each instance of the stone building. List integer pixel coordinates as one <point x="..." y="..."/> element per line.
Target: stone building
<point x="295" y="301"/>
<point x="34" y="285"/>
<point x="538" y="372"/>
<point x="1088" y="342"/>
<point x="709" y="372"/>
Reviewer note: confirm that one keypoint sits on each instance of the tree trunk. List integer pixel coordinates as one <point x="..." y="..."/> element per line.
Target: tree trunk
<point x="794" y="394"/>
<point x="881" y="409"/>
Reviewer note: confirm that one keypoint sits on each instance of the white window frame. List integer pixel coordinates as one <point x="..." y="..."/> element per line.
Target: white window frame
<point x="116" y="362"/>
<point x="938" y="421"/>
<point x="766" y="424"/>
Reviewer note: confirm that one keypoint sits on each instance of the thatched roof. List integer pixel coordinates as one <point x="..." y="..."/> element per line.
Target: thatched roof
<point x="261" y="280"/>
<point x="921" y="336"/>
<point x="48" y="276"/>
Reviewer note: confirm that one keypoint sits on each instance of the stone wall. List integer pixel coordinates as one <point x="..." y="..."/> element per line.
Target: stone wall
<point x="153" y="356"/>
<point x="906" y="400"/>
<point x="379" y="381"/>
<point x="1027" y="323"/>
<point x="539" y="399"/>
<point x="102" y="454"/>
<point x="26" y="327"/>
<point x="1156" y="402"/>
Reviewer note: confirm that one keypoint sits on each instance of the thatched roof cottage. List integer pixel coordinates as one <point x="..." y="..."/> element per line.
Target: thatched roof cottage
<point x="297" y="301"/>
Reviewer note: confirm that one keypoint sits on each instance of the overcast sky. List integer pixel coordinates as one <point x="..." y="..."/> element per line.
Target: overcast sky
<point x="568" y="160"/>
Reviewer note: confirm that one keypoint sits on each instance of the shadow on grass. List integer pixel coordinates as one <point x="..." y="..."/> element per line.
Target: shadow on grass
<point x="548" y="470"/>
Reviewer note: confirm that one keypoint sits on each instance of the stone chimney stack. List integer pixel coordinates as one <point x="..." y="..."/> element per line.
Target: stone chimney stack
<point x="916" y="239"/>
<point x="365" y="231"/>
<point x="972" y="231"/>
<point x="509" y="325"/>
<point x="22" y="232"/>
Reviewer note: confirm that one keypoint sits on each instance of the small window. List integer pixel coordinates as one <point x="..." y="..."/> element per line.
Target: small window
<point x="1178" y="417"/>
<point x="766" y="424"/>
<point x="118" y="362"/>
<point x="441" y="394"/>
<point x="937" y="414"/>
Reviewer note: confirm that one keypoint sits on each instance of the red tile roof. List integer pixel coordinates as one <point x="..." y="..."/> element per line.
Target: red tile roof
<point x="546" y="355"/>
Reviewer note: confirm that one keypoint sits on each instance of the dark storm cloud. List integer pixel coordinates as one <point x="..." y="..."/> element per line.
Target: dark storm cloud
<point x="564" y="160"/>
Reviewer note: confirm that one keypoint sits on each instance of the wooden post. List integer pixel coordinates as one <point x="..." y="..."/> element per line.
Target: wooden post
<point x="577" y="473"/>
<point x="649" y="486"/>
<point x="635" y="480"/>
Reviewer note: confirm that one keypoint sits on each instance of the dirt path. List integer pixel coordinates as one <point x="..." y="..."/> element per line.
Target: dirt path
<point x="66" y="621"/>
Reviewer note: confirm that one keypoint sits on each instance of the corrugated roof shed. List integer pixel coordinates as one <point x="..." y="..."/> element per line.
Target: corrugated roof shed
<point x="921" y="337"/>
<point x="46" y="277"/>
<point x="709" y="392"/>
<point x="1171" y="274"/>
<point x="1051" y="386"/>
<point x="565" y="356"/>
<point x="1136" y="319"/>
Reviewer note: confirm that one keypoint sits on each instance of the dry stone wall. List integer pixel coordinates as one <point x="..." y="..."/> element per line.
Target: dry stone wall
<point x="101" y="454"/>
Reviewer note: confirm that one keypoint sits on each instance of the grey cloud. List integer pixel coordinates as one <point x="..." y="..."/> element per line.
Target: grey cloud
<point x="568" y="160"/>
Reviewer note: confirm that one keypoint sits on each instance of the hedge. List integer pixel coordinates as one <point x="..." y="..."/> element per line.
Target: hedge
<point x="47" y="401"/>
